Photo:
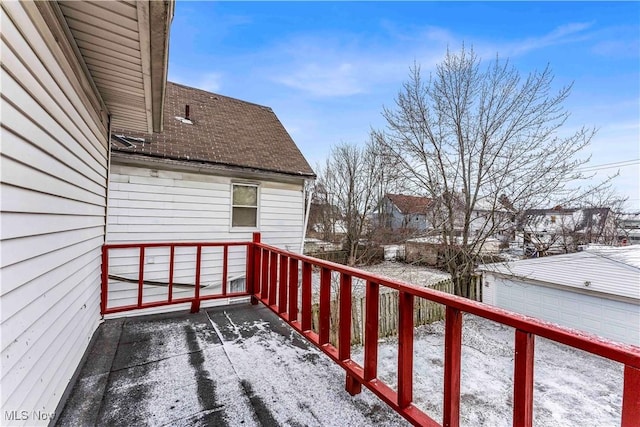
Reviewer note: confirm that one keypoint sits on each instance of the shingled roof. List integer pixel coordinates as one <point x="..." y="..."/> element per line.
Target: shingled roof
<point x="221" y="130"/>
<point x="410" y="205"/>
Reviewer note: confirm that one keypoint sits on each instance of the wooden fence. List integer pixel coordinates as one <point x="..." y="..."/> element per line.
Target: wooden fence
<point x="424" y="312"/>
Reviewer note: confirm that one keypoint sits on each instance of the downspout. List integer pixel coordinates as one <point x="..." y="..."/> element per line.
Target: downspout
<point x="106" y="204"/>
<point x="306" y="213"/>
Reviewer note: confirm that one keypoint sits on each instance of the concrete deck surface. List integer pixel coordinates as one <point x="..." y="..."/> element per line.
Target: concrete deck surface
<point x="237" y="365"/>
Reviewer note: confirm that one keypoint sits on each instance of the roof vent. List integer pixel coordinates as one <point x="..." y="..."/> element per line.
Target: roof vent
<point x="187" y="117"/>
<point x="127" y="141"/>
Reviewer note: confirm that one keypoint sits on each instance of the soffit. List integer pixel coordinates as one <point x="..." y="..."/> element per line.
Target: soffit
<point x="124" y="45"/>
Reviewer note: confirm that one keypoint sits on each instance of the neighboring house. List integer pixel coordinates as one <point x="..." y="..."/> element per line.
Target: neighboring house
<point x="325" y="221"/>
<point x="562" y="230"/>
<point x="404" y="212"/>
<point x="629" y="228"/>
<point x="597" y="290"/>
<point x="221" y="169"/>
<point x="63" y="83"/>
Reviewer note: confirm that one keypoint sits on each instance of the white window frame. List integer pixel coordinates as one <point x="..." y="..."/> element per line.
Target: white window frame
<point x="231" y="206"/>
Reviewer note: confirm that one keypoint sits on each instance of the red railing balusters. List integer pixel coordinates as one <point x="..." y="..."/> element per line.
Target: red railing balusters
<point x="195" y="305"/>
<point x="452" y="356"/>
<point x="282" y="285"/>
<point x="264" y="287"/>
<point x="523" y="380"/>
<point x="140" y="276"/>
<point x="273" y="278"/>
<point x="225" y="261"/>
<point x="305" y="319"/>
<point x="372" y="297"/>
<point x="344" y="321"/>
<point x="172" y="256"/>
<point x="324" y="316"/>
<point x="405" y="349"/>
<point x="293" y="290"/>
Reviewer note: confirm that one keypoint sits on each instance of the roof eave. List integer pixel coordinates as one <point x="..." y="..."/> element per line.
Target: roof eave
<point x="135" y="102"/>
<point x="160" y="17"/>
<point x="148" y="160"/>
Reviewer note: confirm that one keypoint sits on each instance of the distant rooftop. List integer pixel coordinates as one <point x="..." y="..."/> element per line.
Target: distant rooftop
<point x="410" y="204"/>
<point x="601" y="269"/>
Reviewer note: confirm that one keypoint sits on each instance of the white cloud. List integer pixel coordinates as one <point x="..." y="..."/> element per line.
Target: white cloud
<point x="211" y="82"/>
<point x="563" y="34"/>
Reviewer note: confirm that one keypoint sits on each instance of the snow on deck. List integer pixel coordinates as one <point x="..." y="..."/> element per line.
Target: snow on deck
<point x="242" y="366"/>
<point x="227" y="366"/>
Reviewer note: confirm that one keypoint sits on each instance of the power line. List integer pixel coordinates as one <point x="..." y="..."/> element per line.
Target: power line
<point x="612" y="165"/>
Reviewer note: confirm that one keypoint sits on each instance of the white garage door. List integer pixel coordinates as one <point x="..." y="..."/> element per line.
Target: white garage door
<point x="615" y="320"/>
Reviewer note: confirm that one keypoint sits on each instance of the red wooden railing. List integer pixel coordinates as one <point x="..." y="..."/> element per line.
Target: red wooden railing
<point x="194" y="300"/>
<point x="273" y="277"/>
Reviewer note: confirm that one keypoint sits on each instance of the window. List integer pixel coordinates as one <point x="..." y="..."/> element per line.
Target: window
<point x="244" y="211"/>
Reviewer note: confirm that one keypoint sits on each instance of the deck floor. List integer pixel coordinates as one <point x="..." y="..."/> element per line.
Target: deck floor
<point x="236" y="365"/>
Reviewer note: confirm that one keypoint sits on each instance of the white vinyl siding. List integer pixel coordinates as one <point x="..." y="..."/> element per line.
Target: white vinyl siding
<point x="155" y="205"/>
<point x="608" y="318"/>
<point x="54" y="172"/>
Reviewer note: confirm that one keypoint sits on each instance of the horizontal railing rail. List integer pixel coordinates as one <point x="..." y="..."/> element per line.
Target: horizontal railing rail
<point x="283" y="281"/>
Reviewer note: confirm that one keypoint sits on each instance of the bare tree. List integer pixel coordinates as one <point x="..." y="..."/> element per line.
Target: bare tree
<point x="483" y="140"/>
<point x="353" y="180"/>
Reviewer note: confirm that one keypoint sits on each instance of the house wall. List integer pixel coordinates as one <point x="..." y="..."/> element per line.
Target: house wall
<point x="155" y="205"/>
<point x="608" y="318"/>
<point x="54" y="176"/>
<point x="396" y="220"/>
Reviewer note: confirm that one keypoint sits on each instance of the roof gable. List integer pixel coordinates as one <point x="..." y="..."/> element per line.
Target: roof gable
<point x="220" y="130"/>
<point x="410" y="205"/>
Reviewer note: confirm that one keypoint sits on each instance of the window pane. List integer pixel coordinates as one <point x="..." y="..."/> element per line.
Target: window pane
<point x="244" y="217"/>
<point x="245" y="195"/>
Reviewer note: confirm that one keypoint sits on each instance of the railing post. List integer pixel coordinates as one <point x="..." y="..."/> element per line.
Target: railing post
<point x="523" y="380"/>
<point x="372" y="297"/>
<point x="405" y="349"/>
<point x="631" y="397"/>
<point x="324" y="317"/>
<point x="195" y="305"/>
<point x="293" y="290"/>
<point x="452" y="353"/>
<point x="105" y="279"/>
<point x="305" y="321"/>
<point x="253" y="269"/>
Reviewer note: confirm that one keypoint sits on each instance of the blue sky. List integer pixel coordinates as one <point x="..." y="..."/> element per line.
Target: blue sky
<point x="327" y="68"/>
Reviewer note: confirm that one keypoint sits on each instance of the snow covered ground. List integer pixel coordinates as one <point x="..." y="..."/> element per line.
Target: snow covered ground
<point x="572" y="387"/>
<point x="414" y="274"/>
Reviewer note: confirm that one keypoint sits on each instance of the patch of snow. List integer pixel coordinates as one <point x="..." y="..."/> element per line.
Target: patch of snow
<point x="409" y="273"/>
<point x="571" y="387"/>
